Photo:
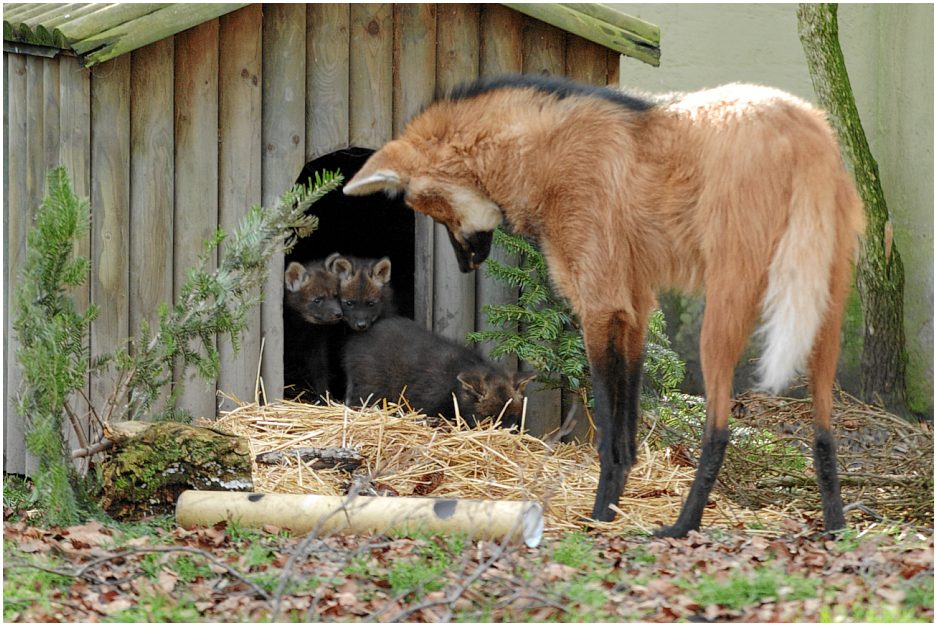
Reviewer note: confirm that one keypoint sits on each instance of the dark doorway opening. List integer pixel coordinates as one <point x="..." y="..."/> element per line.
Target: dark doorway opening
<point x="370" y="227"/>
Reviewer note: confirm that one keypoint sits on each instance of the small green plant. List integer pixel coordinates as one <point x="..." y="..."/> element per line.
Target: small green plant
<point x="575" y="550"/>
<point x="27" y="587"/>
<point x="153" y="607"/>
<point x="424" y="571"/>
<point x="53" y="350"/>
<point x="257" y="554"/>
<point x="743" y="589"/>
<point x="188" y="569"/>
<point x="53" y="335"/>
<point x="542" y="330"/>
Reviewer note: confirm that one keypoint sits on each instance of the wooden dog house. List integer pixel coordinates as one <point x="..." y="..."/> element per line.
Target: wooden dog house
<point x="174" y="118"/>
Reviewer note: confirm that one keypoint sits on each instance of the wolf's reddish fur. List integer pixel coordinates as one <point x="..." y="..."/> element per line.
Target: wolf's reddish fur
<point x="738" y="192"/>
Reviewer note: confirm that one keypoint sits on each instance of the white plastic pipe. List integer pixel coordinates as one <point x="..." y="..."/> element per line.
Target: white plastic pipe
<point x="505" y="520"/>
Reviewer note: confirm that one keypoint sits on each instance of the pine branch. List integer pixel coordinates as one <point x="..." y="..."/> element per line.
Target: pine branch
<point x="542" y="330"/>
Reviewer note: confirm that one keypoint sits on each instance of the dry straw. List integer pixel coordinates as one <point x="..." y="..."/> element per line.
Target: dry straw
<point x="403" y="454"/>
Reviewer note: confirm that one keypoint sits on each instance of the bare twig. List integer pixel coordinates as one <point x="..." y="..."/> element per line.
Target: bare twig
<point x="93" y="449"/>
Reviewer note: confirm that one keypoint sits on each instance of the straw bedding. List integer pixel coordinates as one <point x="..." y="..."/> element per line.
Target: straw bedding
<point x="404" y="453"/>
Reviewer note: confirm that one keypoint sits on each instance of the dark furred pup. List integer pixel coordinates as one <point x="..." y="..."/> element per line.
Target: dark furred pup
<point x="311" y="313"/>
<point x="364" y="289"/>
<point x="397" y="353"/>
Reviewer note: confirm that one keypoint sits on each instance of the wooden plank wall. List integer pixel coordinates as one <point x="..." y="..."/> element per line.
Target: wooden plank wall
<point x="151" y="160"/>
<point x="195" y="218"/>
<point x="185" y="134"/>
<point x="283" y="123"/>
<point x="75" y="156"/>
<point x="239" y="181"/>
<point x="16" y="215"/>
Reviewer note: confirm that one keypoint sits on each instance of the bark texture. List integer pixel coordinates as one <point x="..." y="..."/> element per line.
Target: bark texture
<point x="880" y="273"/>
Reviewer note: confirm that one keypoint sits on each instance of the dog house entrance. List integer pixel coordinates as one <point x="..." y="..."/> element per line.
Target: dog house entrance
<point x="369" y="227"/>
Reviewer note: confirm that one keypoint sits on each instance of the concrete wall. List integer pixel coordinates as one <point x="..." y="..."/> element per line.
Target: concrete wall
<point x="889" y="51"/>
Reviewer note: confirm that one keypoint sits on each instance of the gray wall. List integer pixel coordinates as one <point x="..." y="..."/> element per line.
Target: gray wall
<point x="889" y="51"/>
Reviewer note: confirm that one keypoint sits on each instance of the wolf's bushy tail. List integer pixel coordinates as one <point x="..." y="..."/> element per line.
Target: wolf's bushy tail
<point x="798" y="291"/>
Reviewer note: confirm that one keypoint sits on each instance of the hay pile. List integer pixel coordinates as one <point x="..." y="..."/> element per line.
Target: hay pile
<point x="888" y="461"/>
<point x="404" y="455"/>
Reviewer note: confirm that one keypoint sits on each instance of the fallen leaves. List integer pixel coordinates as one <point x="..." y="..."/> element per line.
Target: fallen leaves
<point x="92" y="572"/>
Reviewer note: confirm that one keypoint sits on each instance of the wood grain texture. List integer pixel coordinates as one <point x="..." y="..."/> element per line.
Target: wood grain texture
<point x="327" y="78"/>
<point x="371" y="75"/>
<point x="283" y="122"/>
<point x="196" y="190"/>
<point x="75" y="157"/>
<point x="239" y="166"/>
<point x="151" y="185"/>
<point x="16" y="223"/>
<point x="110" y="201"/>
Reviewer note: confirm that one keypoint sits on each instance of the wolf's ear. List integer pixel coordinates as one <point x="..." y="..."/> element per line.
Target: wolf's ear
<point x="381" y="271"/>
<point x="337" y="264"/>
<point x="294" y="277"/>
<point x="522" y="379"/>
<point x="473" y="382"/>
<point x="387" y="181"/>
<point x="386" y="170"/>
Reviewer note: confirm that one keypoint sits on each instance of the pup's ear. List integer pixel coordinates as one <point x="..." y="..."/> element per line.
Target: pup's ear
<point x="473" y="382"/>
<point x="294" y="277"/>
<point x="381" y="271"/>
<point x="522" y="379"/>
<point x="387" y="170"/>
<point x="339" y="265"/>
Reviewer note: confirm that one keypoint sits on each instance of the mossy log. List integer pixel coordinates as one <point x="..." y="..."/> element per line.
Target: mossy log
<point x="151" y="464"/>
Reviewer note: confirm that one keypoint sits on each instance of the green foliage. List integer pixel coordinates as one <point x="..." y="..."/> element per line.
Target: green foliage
<point x="575" y="550"/>
<point x="53" y="349"/>
<point x="215" y="303"/>
<point x="25" y="586"/>
<point x="53" y="335"/>
<point x="743" y="589"/>
<point x="542" y="330"/>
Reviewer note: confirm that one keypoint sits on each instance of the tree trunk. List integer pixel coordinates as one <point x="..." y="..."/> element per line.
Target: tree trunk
<point x="880" y="273"/>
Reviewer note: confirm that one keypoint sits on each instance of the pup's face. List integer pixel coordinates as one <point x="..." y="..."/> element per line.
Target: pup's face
<point x="449" y="198"/>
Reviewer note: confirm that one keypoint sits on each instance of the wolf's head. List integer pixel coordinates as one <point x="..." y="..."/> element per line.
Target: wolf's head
<point x="435" y="179"/>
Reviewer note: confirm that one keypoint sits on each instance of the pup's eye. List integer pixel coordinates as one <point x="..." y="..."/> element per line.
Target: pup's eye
<point x="317" y="300"/>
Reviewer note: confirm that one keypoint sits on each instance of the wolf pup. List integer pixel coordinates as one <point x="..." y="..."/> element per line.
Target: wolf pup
<point x="397" y="355"/>
<point x="738" y="192"/>
<point x="311" y="313"/>
<point x="364" y="289"/>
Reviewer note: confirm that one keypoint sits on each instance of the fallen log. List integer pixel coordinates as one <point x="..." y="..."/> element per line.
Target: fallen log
<point x="502" y="520"/>
<point x="152" y="463"/>
<point x="344" y="459"/>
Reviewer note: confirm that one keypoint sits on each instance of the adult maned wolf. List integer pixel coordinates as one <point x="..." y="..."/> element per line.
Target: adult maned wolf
<point x="737" y="191"/>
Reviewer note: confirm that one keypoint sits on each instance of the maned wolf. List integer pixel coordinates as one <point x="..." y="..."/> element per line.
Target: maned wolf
<point x="311" y="313"/>
<point x="397" y="355"/>
<point x="365" y="292"/>
<point x="738" y="192"/>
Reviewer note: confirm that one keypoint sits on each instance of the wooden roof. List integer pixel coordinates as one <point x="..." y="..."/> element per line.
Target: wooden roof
<point x="98" y="32"/>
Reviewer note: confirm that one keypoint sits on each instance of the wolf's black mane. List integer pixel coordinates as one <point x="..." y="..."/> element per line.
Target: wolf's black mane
<point x="558" y="86"/>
